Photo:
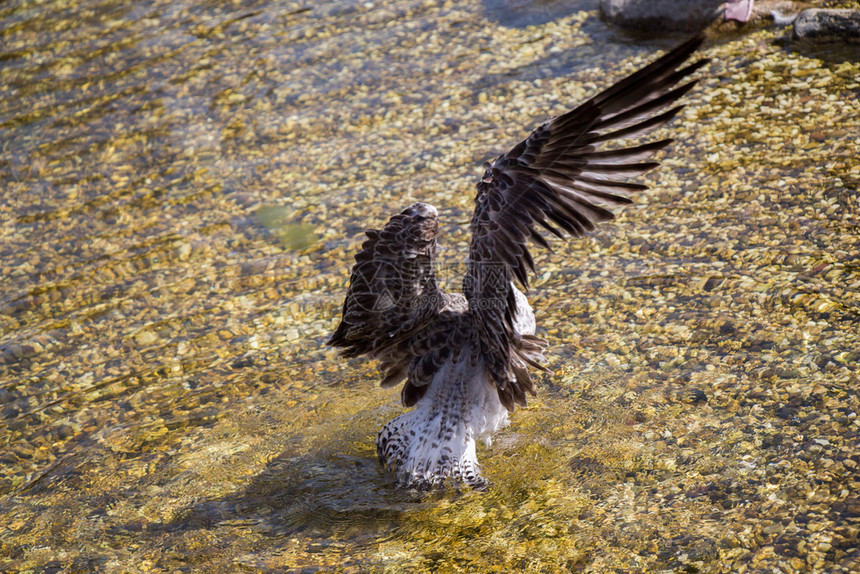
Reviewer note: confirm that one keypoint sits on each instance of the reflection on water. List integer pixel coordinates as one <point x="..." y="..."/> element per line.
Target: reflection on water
<point x="184" y="185"/>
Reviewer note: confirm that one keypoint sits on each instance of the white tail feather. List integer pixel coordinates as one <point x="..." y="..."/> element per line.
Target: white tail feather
<point x="436" y="441"/>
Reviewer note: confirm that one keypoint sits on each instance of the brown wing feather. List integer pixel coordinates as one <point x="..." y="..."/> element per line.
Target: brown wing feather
<point x="557" y="179"/>
<point x="392" y="291"/>
<point x="431" y="347"/>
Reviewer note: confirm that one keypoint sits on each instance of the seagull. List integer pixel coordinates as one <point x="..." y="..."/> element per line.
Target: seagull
<point x="464" y="358"/>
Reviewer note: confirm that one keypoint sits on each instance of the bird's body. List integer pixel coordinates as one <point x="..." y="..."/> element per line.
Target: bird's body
<point x="465" y="358"/>
<point x="436" y="440"/>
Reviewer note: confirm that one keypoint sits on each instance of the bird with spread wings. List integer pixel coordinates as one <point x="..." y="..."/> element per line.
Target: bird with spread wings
<point x="465" y="358"/>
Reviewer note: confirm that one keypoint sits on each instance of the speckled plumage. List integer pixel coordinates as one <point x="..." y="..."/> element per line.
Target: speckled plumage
<point x="465" y="358"/>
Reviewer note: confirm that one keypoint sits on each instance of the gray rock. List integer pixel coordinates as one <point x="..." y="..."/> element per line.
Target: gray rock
<point x="681" y="15"/>
<point x="828" y="25"/>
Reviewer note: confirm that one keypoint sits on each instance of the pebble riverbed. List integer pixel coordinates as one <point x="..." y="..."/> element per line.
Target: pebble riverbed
<point x="184" y="186"/>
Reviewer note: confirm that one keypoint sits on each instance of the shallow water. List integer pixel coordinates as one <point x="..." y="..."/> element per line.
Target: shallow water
<point x="184" y="185"/>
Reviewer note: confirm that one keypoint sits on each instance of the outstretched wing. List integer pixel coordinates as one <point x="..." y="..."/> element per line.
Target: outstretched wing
<point x="559" y="179"/>
<point x="392" y="291"/>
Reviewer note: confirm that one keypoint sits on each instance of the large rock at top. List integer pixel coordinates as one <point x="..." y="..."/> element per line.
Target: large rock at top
<point x="681" y="15"/>
<point x="828" y="25"/>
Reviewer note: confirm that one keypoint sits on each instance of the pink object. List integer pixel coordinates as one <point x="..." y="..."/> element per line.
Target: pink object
<point x="739" y="10"/>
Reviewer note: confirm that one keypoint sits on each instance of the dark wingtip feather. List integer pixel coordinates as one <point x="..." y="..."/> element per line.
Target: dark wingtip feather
<point x="559" y="179"/>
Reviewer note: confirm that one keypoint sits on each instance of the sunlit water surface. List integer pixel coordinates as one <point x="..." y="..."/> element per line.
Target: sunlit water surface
<point x="183" y="187"/>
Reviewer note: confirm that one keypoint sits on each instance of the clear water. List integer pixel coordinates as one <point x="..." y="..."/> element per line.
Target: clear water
<point x="184" y="185"/>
